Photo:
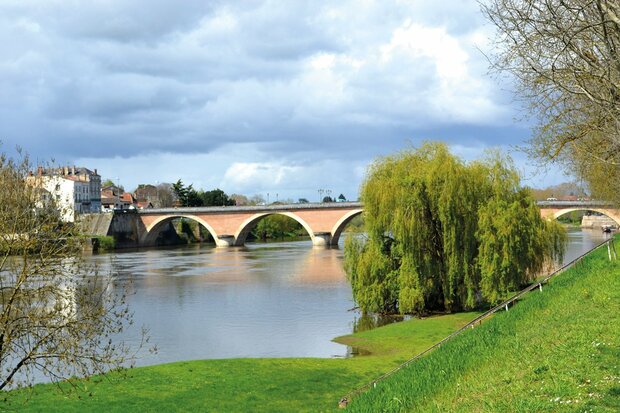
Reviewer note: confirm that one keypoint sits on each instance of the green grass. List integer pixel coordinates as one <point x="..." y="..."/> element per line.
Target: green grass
<point x="105" y="243"/>
<point x="558" y="350"/>
<point x="244" y="385"/>
<point x="555" y="351"/>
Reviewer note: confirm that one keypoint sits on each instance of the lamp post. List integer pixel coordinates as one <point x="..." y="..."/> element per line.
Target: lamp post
<point x="118" y="193"/>
<point x="267" y="198"/>
<point x="157" y="194"/>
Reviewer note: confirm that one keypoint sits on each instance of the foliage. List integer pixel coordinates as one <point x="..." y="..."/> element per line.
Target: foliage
<point x="441" y="233"/>
<point x="58" y="317"/>
<point x="189" y="197"/>
<point x="277" y="226"/>
<point x="215" y="197"/>
<point x="565" y="189"/>
<point x="564" y="55"/>
<point x="105" y="243"/>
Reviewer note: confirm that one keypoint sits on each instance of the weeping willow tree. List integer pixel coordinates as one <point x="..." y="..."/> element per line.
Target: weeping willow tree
<point x="443" y="235"/>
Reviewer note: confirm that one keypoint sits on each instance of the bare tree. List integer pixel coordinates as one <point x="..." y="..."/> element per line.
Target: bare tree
<point x="58" y="317"/>
<point x="166" y="197"/>
<point x="565" y="57"/>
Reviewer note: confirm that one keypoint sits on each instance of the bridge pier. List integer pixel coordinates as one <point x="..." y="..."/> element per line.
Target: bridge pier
<point x="322" y="239"/>
<point x="225" y="241"/>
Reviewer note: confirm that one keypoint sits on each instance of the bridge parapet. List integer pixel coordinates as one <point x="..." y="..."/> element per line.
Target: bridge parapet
<point x="574" y="204"/>
<point x="251" y="208"/>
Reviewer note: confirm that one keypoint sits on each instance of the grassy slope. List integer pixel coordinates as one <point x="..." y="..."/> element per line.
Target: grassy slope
<point x="555" y="351"/>
<point x="553" y="348"/>
<point x="269" y="385"/>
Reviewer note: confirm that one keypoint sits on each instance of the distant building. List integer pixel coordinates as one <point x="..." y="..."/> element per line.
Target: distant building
<point x="74" y="190"/>
<point x="144" y="205"/>
<point x="147" y="193"/>
<point x="114" y="197"/>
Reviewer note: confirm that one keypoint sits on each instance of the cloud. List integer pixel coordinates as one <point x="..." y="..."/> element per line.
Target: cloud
<point x="299" y="82"/>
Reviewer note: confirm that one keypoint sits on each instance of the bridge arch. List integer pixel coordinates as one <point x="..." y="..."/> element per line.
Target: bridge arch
<point x="244" y="229"/>
<point x="342" y="223"/>
<point x="152" y="231"/>
<point x="611" y="214"/>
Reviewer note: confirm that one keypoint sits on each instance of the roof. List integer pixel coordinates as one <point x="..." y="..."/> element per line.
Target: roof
<point x="128" y="197"/>
<point x="144" y="204"/>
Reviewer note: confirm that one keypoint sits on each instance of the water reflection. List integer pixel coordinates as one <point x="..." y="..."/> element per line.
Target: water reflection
<point x="365" y="322"/>
<point x="262" y="300"/>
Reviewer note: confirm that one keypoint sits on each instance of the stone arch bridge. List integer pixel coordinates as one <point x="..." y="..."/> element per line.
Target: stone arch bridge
<point x="230" y="226"/>
<point x="555" y="209"/>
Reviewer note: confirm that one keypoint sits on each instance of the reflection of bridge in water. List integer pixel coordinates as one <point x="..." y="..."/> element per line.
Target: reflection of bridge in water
<point x="230" y="226"/>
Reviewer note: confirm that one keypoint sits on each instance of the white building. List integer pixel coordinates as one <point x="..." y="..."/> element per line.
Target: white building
<point x="73" y="190"/>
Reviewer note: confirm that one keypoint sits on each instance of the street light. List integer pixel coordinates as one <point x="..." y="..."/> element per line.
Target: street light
<point x="118" y="193"/>
<point x="157" y="194"/>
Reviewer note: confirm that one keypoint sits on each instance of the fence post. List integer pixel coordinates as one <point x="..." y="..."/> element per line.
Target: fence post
<point x="540" y="287"/>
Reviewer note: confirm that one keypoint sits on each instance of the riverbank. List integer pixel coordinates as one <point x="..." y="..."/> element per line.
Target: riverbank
<point x="555" y="351"/>
<point x="257" y="385"/>
<point x="553" y="347"/>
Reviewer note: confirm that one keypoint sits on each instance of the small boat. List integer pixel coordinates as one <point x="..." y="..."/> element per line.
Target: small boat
<point x="606" y="228"/>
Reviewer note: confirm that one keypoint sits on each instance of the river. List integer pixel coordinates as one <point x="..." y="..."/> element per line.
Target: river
<point x="264" y="300"/>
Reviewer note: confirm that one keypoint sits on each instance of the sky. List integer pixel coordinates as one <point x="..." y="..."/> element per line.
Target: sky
<point x="253" y="97"/>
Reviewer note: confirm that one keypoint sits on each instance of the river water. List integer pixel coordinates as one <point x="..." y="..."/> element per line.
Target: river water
<point x="264" y="300"/>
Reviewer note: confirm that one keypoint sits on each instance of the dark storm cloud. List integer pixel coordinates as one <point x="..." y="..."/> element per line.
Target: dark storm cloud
<point x="305" y="80"/>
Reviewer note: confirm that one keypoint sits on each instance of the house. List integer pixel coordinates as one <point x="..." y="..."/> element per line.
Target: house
<point x="144" y="205"/>
<point x="114" y="197"/>
<point x="74" y="190"/>
<point x="147" y="193"/>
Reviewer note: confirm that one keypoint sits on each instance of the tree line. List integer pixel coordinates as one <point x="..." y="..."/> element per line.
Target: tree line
<point x="187" y="196"/>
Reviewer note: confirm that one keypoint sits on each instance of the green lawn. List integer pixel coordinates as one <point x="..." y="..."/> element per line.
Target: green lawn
<point x="247" y="385"/>
<point x="555" y="351"/>
<point x="558" y="350"/>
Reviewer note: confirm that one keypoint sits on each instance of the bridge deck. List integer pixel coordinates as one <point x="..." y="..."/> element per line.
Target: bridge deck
<point x="251" y="208"/>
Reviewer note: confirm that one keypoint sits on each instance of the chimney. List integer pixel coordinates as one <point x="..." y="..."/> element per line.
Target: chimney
<point x="73" y="170"/>
<point x="96" y="171"/>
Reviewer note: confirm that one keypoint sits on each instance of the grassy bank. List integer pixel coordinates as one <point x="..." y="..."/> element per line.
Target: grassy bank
<point x="555" y="351"/>
<point x="256" y="385"/>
